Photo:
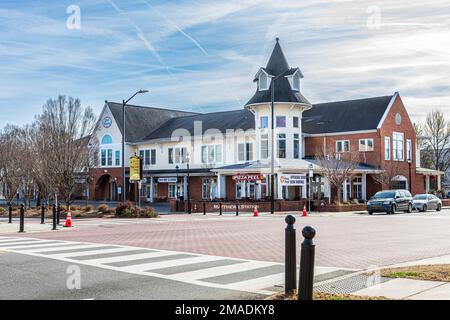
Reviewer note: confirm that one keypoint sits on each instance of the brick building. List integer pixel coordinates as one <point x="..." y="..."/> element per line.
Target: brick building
<point x="229" y="153"/>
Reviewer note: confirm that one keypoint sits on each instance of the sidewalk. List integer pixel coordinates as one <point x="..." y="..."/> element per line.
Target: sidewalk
<point x="362" y="284"/>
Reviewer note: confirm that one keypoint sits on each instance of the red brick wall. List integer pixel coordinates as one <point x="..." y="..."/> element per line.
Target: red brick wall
<point x="315" y="145"/>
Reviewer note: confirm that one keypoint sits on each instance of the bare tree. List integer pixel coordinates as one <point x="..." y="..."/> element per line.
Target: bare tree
<point x="68" y="127"/>
<point x="10" y="160"/>
<point x="337" y="168"/>
<point x="437" y="142"/>
<point x="389" y="170"/>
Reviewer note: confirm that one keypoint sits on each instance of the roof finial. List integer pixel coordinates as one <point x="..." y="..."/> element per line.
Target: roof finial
<point x="278" y="39"/>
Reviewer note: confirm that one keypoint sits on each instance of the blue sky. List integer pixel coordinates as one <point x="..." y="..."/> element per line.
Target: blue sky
<point x="202" y="55"/>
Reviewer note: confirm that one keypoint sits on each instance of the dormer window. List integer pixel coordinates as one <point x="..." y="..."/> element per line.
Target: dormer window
<point x="296" y="82"/>
<point x="263" y="81"/>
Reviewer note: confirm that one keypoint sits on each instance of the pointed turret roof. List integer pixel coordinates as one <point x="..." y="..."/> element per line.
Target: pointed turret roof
<point x="277" y="62"/>
<point x="278" y="67"/>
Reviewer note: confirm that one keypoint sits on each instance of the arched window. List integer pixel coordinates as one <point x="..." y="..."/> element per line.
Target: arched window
<point x="106" y="139"/>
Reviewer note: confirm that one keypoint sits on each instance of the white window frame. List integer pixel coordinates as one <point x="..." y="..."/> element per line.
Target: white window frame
<point x="178" y="155"/>
<point x="260" y="122"/>
<point x="296" y="140"/>
<point x="409" y="149"/>
<point x="216" y="149"/>
<point x="276" y="121"/>
<point x="247" y="155"/>
<point x="279" y="138"/>
<point x="396" y="146"/>
<point x="264" y="138"/>
<point x="342" y="142"/>
<point x="387" y="148"/>
<point x="366" y="140"/>
<point x="261" y="85"/>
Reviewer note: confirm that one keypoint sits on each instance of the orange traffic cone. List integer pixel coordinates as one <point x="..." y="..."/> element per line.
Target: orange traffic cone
<point x="305" y="214"/>
<point x="68" y="220"/>
<point x="255" y="212"/>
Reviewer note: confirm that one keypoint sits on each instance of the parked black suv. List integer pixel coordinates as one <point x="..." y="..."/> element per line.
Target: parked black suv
<point x="390" y="201"/>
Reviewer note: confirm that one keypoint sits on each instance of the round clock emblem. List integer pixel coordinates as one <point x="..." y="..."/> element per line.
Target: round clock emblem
<point x="398" y="119"/>
<point x="107" y="122"/>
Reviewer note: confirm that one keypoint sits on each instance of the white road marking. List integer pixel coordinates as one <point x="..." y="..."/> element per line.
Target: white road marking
<point x="259" y="284"/>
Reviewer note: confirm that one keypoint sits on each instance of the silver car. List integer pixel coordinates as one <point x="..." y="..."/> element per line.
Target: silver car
<point x="424" y="202"/>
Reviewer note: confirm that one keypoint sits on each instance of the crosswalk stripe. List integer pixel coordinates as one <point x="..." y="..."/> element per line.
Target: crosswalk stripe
<point x="49" y="250"/>
<point x="139" y="256"/>
<point x="88" y="253"/>
<point x="15" y="243"/>
<point x="258" y="283"/>
<point x="171" y="263"/>
<point x="223" y="270"/>
<point x="21" y="245"/>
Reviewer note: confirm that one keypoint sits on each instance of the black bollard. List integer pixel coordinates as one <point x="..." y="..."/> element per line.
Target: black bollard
<point x="58" y="213"/>
<point x="22" y="218"/>
<point x="220" y="208"/>
<point x="204" y="208"/>
<point x="10" y="213"/>
<point x="54" y="217"/>
<point x="42" y="213"/>
<point x="290" y="257"/>
<point x="306" y="282"/>
<point x="237" y="208"/>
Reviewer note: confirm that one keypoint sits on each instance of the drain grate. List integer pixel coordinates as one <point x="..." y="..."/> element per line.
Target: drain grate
<point x="348" y="285"/>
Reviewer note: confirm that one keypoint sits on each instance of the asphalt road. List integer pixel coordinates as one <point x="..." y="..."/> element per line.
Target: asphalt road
<point x="26" y="277"/>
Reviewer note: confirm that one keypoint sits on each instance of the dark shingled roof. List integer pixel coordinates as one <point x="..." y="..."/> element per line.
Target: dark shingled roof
<point x="237" y="119"/>
<point x="139" y="121"/>
<point x="343" y="116"/>
<point x="278" y="66"/>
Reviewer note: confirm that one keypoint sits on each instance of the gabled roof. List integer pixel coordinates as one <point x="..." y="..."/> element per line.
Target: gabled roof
<point x="279" y="67"/>
<point x="139" y="120"/>
<point x="236" y="119"/>
<point x="345" y="116"/>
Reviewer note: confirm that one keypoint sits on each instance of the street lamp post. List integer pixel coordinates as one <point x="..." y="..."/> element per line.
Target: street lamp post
<point x="409" y="181"/>
<point x="176" y="184"/>
<point x="123" y="140"/>
<point x="310" y="174"/>
<point x="188" y="160"/>
<point x="272" y="126"/>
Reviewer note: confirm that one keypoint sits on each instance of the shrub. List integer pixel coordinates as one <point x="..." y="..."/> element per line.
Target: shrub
<point x="2" y="210"/>
<point x="103" y="208"/>
<point x="149" y="213"/>
<point x="129" y="211"/>
<point x="74" y="208"/>
<point x="88" y="208"/>
<point x="124" y="209"/>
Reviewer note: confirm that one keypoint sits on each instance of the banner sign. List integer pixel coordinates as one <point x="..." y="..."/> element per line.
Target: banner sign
<point x="293" y="179"/>
<point x="135" y="168"/>
<point x="248" y="177"/>
<point x="167" y="180"/>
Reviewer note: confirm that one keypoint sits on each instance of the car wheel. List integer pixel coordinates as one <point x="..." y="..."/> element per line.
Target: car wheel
<point x="409" y="208"/>
<point x="370" y="212"/>
<point x="439" y="208"/>
<point x="393" y="209"/>
<point x="424" y="208"/>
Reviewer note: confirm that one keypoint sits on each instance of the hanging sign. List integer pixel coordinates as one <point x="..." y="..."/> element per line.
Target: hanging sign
<point x="293" y="179"/>
<point x="248" y="177"/>
<point x="167" y="180"/>
<point x="135" y="168"/>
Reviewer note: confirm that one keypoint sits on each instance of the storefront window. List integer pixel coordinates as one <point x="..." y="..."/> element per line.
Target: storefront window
<point x="172" y="190"/>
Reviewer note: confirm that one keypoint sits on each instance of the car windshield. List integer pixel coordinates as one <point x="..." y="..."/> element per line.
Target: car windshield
<point x="420" y="197"/>
<point x="384" y="195"/>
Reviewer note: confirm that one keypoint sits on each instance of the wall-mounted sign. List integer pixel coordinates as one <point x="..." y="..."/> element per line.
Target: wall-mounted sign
<point x="135" y="168"/>
<point x="107" y="122"/>
<point x="293" y="179"/>
<point x="248" y="177"/>
<point x="167" y="180"/>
